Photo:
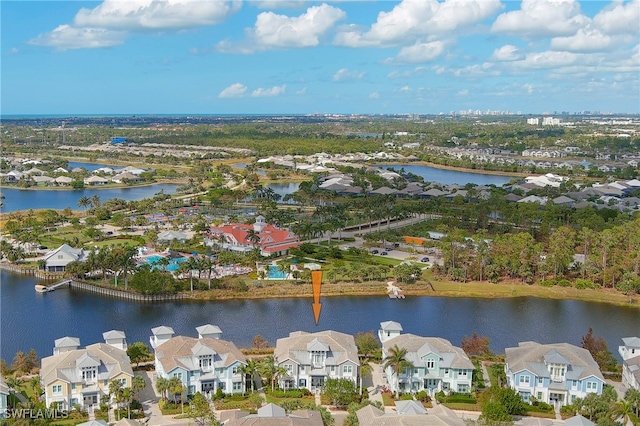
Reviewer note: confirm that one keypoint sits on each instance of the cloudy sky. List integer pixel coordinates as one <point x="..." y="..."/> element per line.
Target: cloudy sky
<point x="292" y="56"/>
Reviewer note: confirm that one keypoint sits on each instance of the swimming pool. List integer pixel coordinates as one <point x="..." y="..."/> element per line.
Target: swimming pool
<point x="172" y="266"/>
<point x="275" y="273"/>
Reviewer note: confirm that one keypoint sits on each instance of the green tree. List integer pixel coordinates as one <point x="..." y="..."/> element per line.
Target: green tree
<point x="500" y="404"/>
<point x="397" y="361"/>
<point x="367" y="344"/>
<point x="200" y="411"/>
<point x="162" y="386"/>
<point x="139" y="351"/>
<point x="599" y="350"/>
<point x="138" y="383"/>
<point x="341" y="392"/>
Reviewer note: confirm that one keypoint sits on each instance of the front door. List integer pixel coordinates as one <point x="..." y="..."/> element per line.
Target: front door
<point x="317" y="382"/>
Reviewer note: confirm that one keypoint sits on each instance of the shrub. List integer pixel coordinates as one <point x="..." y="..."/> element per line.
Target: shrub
<point x="423" y="396"/>
<point x="548" y="283"/>
<point x="582" y="284"/>
<point x="564" y="283"/>
<point x="406" y="397"/>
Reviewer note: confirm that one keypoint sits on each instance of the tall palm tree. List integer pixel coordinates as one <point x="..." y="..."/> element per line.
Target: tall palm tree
<point x="397" y="361"/>
<point x="84" y="202"/>
<point x="162" y="386"/>
<point x="624" y="410"/>
<point x="365" y="370"/>
<point x="249" y="369"/>
<point x="137" y="384"/>
<point x="95" y="201"/>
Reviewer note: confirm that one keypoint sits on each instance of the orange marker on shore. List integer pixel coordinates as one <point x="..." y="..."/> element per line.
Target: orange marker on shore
<point x="316" y="280"/>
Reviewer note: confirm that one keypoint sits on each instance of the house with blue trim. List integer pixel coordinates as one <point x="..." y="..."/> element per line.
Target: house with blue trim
<point x="4" y="393"/>
<point x="630" y="353"/>
<point x="553" y="373"/>
<point x="203" y="364"/>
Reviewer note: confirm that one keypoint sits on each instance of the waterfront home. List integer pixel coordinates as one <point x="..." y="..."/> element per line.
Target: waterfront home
<point x="243" y="238"/>
<point x="271" y="415"/>
<point x="437" y="364"/>
<point x="4" y="393"/>
<point x="166" y="237"/>
<point x="63" y="180"/>
<point x="74" y="375"/>
<point x="409" y="413"/>
<point x="311" y="358"/>
<point x="630" y="353"/>
<point x="58" y="259"/>
<point x="95" y="180"/>
<point x="203" y="364"/>
<point x="554" y="373"/>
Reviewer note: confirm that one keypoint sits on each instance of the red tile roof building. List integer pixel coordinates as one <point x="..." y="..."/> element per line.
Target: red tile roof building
<point x="237" y="237"/>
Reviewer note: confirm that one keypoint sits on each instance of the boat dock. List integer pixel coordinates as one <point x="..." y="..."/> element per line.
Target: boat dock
<point x="394" y="291"/>
<point x="45" y="288"/>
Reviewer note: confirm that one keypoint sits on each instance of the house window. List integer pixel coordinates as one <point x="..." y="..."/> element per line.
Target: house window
<point x="539" y="397"/>
<point x="524" y="380"/>
<point x="237" y="386"/>
<point x="88" y="374"/>
<point x="333" y="368"/>
<point x="222" y="385"/>
<point x="178" y="375"/>
<point x="74" y="401"/>
<point x="57" y="388"/>
<point x="347" y="369"/>
<point x="592" y="386"/>
<point x="235" y="369"/>
<point x="462" y="373"/>
<point x="463" y="388"/>
<point x="205" y="362"/>
<point x="302" y="383"/>
<point x="73" y="386"/>
<point x="540" y="381"/>
<point x="288" y="367"/>
<point x="431" y="363"/>
<point x="446" y="372"/>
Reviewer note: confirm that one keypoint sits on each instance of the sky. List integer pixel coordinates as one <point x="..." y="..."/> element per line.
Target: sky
<point x="332" y="57"/>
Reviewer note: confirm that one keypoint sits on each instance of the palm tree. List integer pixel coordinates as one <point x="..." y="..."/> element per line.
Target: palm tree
<point x="365" y="370"/>
<point x="397" y="361"/>
<point x="625" y="410"/>
<point x="84" y="202"/>
<point x="95" y="201"/>
<point x="162" y="386"/>
<point x="137" y="384"/>
<point x="249" y="369"/>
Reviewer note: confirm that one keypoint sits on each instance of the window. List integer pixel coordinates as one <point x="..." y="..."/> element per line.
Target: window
<point x="73" y="386"/>
<point x="235" y="369"/>
<point x="462" y="373"/>
<point x="539" y="397"/>
<point x="463" y="388"/>
<point x="446" y="372"/>
<point x="57" y="388"/>
<point x="592" y="386"/>
<point x="302" y="368"/>
<point x="222" y="385"/>
<point x="205" y="362"/>
<point x="333" y="368"/>
<point x="302" y="383"/>
<point x="88" y="374"/>
<point x="178" y="375"/>
<point x="540" y="381"/>
<point x="347" y="369"/>
<point x="288" y="367"/>
<point x="431" y="363"/>
<point x="74" y="401"/>
<point x="237" y="386"/>
<point x="524" y="380"/>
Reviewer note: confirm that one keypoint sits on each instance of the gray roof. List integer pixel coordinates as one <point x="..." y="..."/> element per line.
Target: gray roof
<point x="418" y="347"/>
<point x="439" y="415"/>
<point x="410" y="407"/>
<point x="341" y="347"/>
<point x="67" y="342"/>
<point x="182" y="351"/>
<point x="163" y="329"/>
<point x="390" y="326"/>
<point x="296" y="418"/>
<point x="208" y="329"/>
<point x="631" y="342"/>
<point x="533" y="356"/>
<point x="578" y="421"/>
<point x="114" y="334"/>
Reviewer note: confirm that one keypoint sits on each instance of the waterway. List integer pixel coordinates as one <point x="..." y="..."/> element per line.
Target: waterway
<point x="25" y="199"/>
<point x="34" y="320"/>
<point x="449" y="177"/>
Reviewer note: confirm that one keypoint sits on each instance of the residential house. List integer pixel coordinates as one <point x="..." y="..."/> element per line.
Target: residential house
<point x="269" y="239"/>
<point x="81" y="376"/>
<point x="437" y="364"/>
<point x="63" y="180"/>
<point x="95" y="180"/>
<point x="271" y="415"/>
<point x="4" y="393"/>
<point x="409" y="413"/>
<point x="204" y="364"/>
<point x="126" y="177"/>
<point x="58" y="259"/>
<point x="552" y="373"/>
<point x="166" y="237"/>
<point x="311" y="358"/>
<point x="630" y="353"/>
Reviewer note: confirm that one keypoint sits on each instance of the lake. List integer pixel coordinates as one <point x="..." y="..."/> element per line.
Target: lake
<point x="34" y="320"/>
<point x="449" y="177"/>
<point x="25" y="199"/>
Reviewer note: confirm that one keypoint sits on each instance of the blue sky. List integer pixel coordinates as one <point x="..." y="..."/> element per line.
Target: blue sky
<point x="290" y="56"/>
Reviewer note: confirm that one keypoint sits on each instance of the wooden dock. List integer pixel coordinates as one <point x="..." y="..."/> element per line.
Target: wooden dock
<point x="394" y="291"/>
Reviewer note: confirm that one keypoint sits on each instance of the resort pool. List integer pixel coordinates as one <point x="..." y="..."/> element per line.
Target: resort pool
<point x="172" y="266"/>
<point x="275" y="273"/>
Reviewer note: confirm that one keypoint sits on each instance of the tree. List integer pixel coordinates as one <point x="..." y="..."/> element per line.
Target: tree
<point x="84" y="202"/>
<point x="139" y="351"/>
<point x="201" y="412"/>
<point x="249" y="369"/>
<point x="367" y="344"/>
<point x="599" y="351"/>
<point x="397" y="361"/>
<point x="259" y="342"/>
<point x="341" y="392"/>
<point x="365" y="370"/>
<point x="476" y="345"/>
<point x="624" y="410"/>
<point x="500" y="404"/>
<point x="175" y="388"/>
<point x="138" y="383"/>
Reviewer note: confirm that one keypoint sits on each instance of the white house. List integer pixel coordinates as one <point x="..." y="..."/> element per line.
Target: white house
<point x="58" y="259"/>
<point x="81" y="376"/>
<point x="311" y="358"/>
<point x="95" y="180"/>
<point x="203" y="364"/>
<point x="554" y="373"/>
<point x="4" y="393"/>
<point x="437" y="364"/>
<point x="630" y="353"/>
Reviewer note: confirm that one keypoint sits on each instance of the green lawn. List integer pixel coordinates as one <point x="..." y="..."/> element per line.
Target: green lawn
<point x="462" y="406"/>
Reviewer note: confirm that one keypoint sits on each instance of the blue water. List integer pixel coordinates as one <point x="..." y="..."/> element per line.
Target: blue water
<point x="449" y="177"/>
<point x="276" y="273"/>
<point x="173" y="265"/>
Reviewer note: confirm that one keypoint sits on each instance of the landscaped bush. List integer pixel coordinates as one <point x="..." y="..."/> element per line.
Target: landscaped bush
<point x="547" y="283"/>
<point x="423" y="396"/>
<point x="406" y="397"/>
<point x="461" y="398"/>
<point x="564" y="283"/>
<point x="291" y="393"/>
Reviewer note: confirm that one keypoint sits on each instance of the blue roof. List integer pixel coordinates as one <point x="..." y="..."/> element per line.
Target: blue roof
<point x="119" y="140"/>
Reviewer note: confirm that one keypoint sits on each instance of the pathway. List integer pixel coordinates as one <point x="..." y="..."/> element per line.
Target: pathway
<point x="149" y="400"/>
<point x="378" y="381"/>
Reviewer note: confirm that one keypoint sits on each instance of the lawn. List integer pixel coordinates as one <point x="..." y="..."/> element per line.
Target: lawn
<point x="387" y="399"/>
<point x="462" y="406"/>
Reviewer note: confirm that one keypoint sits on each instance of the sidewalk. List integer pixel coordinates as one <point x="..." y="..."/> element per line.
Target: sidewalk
<point x="378" y="381"/>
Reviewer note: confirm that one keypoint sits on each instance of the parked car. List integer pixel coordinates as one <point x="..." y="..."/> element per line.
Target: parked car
<point x="374" y="251"/>
<point x="396" y="245"/>
<point x="424" y="259"/>
<point x="384" y="253"/>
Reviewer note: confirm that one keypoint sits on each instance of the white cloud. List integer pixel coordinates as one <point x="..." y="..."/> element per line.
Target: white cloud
<point x="407" y="73"/>
<point x="507" y="52"/>
<point x="155" y="14"/>
<point x="66" y="37"/>
<point x="585" y="40"/>
<point x="302" y="91"/>
<point x="416" y="18"/>
<point x="12" y="51"/>
<point x="619" y="18"/>
<point x="280" y="4"/>
<point x="528" y="88"/>
<point x="374" y="95"/>
<point x="542" y="18"/>
<point x="548" y="59"/>
<point x="236" y="90"/>
<point x="273" y="91"/>
<point x="405" y="89"/>
<point x="344" y="74"/>
<point x="463" y="92"/>
<point x="419" y="53"/>
<point x="280" y="31"/>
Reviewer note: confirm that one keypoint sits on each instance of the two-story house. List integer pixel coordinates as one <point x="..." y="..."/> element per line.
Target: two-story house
<point x="4" y="393"/>
<point x="75" y="376"/>
<point x="437" y="364"/>
<point x="203" y="364"/>
<point x="311" y="358"/>
<point x="58" y="259"/>
<point x="630" y="353"/>
<point x="554" y="373"/>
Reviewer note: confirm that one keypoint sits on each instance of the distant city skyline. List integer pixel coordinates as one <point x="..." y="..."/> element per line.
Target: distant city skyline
<point x="301" y="57"/>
